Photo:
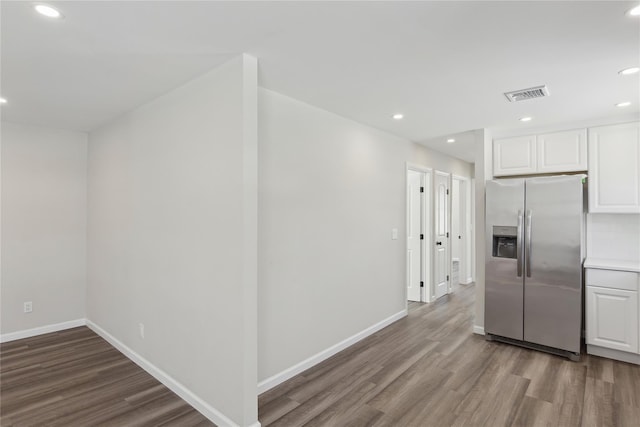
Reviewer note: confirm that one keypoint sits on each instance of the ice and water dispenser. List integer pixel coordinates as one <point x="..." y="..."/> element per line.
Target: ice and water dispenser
<point x="505" y="241"/>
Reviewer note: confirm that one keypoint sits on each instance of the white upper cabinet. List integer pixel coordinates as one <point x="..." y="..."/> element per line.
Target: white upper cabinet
<point x="546" y="153"/>
<point x="614" y="168"/>
<point x="514" y="156"/>
<point x="562" y="151"/>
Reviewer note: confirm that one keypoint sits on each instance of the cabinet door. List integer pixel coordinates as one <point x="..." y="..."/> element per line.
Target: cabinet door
<point x="612" y="318"/>
<point x="562" y="151"/>
<point x="514" y="156"/>
<point x="614" y="168"/>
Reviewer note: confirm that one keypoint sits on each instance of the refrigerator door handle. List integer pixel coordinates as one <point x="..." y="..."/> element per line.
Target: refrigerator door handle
<point x="528" y="244"/>
<point x="519" y="237"/>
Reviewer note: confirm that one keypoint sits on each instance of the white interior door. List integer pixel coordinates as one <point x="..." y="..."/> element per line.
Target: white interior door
<point x="414" y="230"/>
<point x="427" y="229"/>
<point x="441" y="235"/>
<point x="466" y="269"/>
<point x="461" y="228"/>
<point x="456" y="213"/>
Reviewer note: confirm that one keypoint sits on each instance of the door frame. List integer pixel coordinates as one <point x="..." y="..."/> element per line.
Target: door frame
<point x="426" y="221"/>
<point x="466" y="270"/>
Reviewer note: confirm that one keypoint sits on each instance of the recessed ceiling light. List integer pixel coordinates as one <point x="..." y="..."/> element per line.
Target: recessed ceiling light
<point x="623" y="104"/>
<point x="398" y="116"/>
<point x="3" y="101"/>
<point x="526" y="119"/>
<point x="451" y="140"/>
<point x="635" y="11"/>
<point x="628" y="71"/>
<point x="47" y="11"/>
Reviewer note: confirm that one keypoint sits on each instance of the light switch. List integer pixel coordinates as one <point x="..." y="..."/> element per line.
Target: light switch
<point x="394" y="234"/>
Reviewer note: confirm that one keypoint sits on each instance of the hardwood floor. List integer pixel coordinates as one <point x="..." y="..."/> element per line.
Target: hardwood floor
<point x="430" y="370"/>
<point x="75" y="378"/>
<point x="425" y="370"/>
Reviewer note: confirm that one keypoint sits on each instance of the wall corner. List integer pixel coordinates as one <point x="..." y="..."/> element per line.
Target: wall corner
<point x="250" y="239"/>
<point x="483" y="172"/>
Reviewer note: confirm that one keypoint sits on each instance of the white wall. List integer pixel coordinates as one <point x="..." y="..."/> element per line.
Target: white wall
<point x="424" y="156"/>
<point x="44" y="188"/>
<point x="613" y="236"/>
<point x="330" y="192"/>
<point x="172" y="235"/>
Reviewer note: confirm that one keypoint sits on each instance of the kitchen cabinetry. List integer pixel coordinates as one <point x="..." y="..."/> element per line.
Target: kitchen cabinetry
<point x="614" y="168"/>
<point x="514" y="156"/>
<point x="612" y="320"/>
<point x="544" y="153"/>
<point x="562" y="151"/>
<point x="613" y="323"/>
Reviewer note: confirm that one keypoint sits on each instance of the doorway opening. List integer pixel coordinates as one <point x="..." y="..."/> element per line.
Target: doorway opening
<point x="419" y="225"/>
<point x="439" y="233"/>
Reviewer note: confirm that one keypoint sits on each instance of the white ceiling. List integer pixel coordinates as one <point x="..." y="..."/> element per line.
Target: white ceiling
<point x="445" y="65"/>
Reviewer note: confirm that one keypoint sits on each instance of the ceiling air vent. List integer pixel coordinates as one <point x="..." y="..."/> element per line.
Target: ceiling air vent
<point x="524" y="94"/>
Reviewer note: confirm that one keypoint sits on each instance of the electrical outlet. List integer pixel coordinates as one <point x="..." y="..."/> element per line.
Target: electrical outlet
<point x="141" y="330"/>
<point x="28" y="306"/>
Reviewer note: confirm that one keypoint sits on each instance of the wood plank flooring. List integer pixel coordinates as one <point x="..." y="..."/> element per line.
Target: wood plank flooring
<point x="425" y="370"/>
<point x="75" y="378"/>
<point x="430" y="370"/>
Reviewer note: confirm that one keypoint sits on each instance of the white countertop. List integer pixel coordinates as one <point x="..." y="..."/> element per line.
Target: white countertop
<point x="612" y="264"/>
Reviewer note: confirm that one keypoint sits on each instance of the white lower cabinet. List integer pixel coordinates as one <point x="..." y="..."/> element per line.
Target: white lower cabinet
<point x="613" y="322"/>
<point x="612" y="318"/>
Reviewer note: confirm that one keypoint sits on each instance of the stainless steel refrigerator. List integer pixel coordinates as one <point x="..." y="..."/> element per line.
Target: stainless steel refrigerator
<point x="534" y="256"/>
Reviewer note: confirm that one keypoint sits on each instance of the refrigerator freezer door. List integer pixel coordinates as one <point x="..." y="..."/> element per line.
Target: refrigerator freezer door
<point x="503" y="277"/>
<point x="553" y="283"/>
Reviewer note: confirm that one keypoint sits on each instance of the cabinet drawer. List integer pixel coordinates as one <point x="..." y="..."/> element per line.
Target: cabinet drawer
<point x="612" y="279"/>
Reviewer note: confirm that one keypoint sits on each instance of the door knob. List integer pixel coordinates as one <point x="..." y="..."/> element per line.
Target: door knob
<point x="438" y="243"/>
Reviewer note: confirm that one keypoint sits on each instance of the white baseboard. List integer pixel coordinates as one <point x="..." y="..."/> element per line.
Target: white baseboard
<point x="200" y="405"/>
<point x="288" y="373"/>
<point x="478" y="330"/>
<point x="27" y="333"/>
<point x="467" y="281"/>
